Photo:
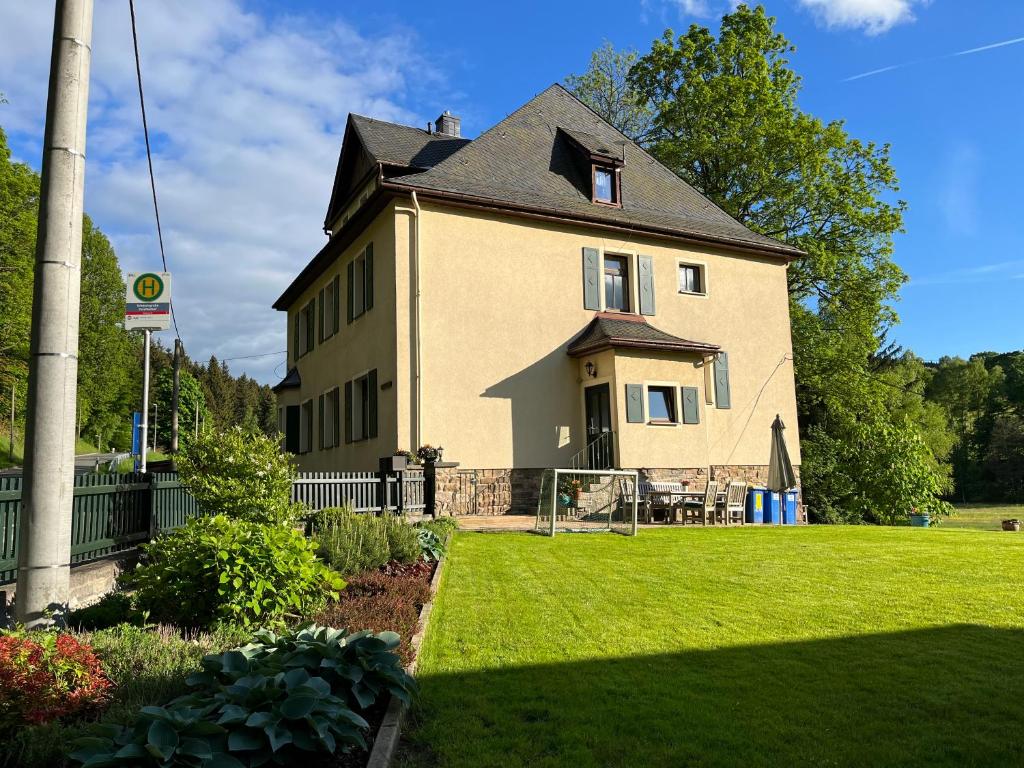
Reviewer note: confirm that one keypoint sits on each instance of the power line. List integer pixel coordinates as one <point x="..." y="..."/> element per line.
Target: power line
<point x="149" y="155"/>
<point x="249" y="357"/>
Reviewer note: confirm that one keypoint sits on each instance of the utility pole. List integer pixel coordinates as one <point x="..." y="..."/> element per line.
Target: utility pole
<point x="175" y="393"/>
<point x="45" y="550"/>
<point x="197" y="420"/>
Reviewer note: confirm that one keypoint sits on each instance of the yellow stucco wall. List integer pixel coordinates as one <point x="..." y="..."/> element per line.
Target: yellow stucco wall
<point x="501" y="299"/>
<point x="367" y="343"/>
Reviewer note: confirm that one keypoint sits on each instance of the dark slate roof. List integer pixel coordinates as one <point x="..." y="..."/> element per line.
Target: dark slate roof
<point x="606" y="331"/>
<point x="402" y="145"/>
<point x="523" y="161"/>
<point x="290" y="381"/>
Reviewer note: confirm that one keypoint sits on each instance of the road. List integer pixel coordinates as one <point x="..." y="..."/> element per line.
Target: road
<point x="84" y="463"/>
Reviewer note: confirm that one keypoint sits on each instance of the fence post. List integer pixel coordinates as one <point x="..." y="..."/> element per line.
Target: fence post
<point x="430" y="488"/>
<point x="151" y="491"/>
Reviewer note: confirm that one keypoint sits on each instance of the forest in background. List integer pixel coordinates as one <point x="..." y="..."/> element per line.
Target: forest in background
<point x="109" y="358"/>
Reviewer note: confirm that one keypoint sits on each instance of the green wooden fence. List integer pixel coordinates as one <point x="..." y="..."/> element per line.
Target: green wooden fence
<point x="110" y="513"/>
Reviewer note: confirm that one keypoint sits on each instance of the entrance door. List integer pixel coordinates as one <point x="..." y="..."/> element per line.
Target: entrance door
<point x="600" y="451"/>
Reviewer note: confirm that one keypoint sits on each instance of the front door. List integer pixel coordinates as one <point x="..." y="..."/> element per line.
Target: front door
<point x="600" y="451"/>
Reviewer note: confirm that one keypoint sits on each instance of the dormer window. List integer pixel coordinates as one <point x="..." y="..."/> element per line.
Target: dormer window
<point x="604" y="185"/>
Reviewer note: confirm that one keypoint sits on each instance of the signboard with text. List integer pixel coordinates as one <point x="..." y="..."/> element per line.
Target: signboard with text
<point x="148" y="303"/>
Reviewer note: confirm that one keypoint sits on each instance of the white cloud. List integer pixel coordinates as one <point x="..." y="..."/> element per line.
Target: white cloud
<point x="873" y="16"/>
<point x="702" y="9"/>
<point x="246" y="116"/>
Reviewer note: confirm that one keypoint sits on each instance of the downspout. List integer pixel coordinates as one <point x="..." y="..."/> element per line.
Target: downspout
<point x="416" y="211"/>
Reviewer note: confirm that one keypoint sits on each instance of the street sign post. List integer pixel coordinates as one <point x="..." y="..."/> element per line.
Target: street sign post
<point x="148" y="302"/>
<point x="147" y="308"/>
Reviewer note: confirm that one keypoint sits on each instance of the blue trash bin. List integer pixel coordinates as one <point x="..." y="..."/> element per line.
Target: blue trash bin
<point x="789" y="508"/>
<point x="772" y="508"/>
<point x="755" y="505"/>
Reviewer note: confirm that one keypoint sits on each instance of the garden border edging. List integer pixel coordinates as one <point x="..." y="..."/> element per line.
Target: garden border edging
<point x="390" y="730"/>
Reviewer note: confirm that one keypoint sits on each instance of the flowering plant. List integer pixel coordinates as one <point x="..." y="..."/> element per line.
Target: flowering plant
<point x="428" y="452"/>
<point x="572" y="487"/>
<point x="47" y="676"/>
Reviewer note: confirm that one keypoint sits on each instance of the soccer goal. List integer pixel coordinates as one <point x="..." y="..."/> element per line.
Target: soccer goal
<point x="586" y="501"/>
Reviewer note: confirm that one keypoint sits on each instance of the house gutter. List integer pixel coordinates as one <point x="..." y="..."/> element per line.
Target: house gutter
<point x="416" y="212"/>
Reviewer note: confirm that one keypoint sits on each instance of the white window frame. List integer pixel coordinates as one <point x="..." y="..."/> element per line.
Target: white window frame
<point x="306" y="427"/>
<point x="673" y="387"/>
<point x="702" y="269"/>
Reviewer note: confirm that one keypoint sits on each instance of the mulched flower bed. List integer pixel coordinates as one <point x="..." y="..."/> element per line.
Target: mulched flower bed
<point x="387" y="599"/>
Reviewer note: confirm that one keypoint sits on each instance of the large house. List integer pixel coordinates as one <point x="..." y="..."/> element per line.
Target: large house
<point x="545" y="295"/>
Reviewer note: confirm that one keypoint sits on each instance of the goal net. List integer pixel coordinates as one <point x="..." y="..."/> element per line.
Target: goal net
<point x="584" y="500"/>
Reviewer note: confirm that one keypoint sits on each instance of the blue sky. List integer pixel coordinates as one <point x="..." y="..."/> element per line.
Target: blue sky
<point x="248" y="102"/>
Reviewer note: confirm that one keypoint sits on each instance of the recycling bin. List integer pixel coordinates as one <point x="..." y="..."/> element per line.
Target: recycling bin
<point x="755" y="505"/>
<point x="789" y="508"/>
<point x="772" y="508"/>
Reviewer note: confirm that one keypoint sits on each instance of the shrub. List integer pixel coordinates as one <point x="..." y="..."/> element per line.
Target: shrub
<point x="220" y="569"/>
<point x="46" y="677"/>
<point x="239" y="473"/>
<point x="269" y="701"/>
<point x="353" y="543"/>
<point x="442" y="526"/>
<point x="431" y="546"/>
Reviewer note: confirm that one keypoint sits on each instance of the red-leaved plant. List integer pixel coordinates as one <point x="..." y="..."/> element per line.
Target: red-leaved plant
<point x="46" y="677"/>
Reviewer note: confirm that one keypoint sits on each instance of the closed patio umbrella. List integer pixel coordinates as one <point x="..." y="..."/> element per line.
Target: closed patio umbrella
<point x="780" y="469"/>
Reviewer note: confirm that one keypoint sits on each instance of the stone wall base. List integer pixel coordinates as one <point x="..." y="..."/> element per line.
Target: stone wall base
<point x="462" y="491"/>
<point x="89" y="582"/>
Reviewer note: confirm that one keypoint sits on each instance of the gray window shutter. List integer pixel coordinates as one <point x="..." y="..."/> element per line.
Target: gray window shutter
<point x="646" y="284"/>
<point x="591" y="279"/>
<point x="323" y="328"/>
<point x="371" y="406"/>
<point x="291" y="428"/>
<point x="320" y="421"/>
<point x="368" y="278"/>
<point x="722" y="397"/>
<point x="311" y="324"/>
<point x="691" y="405"/>
<point x="348" y="411"/>
<point x="634" y="403"/>
<point x="336" y="401"/>
<point x="336" y="287"/>
<point x="351" y="274"/>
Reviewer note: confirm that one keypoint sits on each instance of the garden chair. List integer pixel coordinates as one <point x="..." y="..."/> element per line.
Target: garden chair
<point x="704" y="508"/>
<point x="734" y="505"/>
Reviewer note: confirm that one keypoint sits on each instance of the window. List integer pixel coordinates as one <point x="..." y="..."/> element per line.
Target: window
<point x="606" y="185"/>
<point x="306" y="427"/>
<point x="291" y="428"/>
<point x="360" y="283"/>
<point x="361" y="408"/>
<point x="329" y="416"/>
<point x="661" y="405"/>
<point x="330" y="299"/>
<point x="305" y="327"/>
<point x="616" y="283"/>
<point x="691" y="278"/>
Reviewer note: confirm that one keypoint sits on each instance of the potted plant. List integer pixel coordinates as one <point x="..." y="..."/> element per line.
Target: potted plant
<point x="569" y="492"/>
<point x="1012" y="525"/>
<point x="429" y="454"/>
<point x="919" y="519"/>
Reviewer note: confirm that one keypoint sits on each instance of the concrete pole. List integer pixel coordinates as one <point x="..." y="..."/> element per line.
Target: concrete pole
<point x="144" y="426"/>
<point x="156" y="412"/>
<point x="175" y="394"/>
<point x="45" y="549"/>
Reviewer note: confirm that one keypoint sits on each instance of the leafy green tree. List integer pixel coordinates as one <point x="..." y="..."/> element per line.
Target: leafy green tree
<point x="726" y="120"/>
<point x="191" y="402"/>
<point x="239" y="473"/>
<point x="605" y="89"/>
<point x="1004" y="458"/>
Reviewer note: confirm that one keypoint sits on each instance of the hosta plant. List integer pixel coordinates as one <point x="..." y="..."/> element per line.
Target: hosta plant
<point x="431" y="546"/>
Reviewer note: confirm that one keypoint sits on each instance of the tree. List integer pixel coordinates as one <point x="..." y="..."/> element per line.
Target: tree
<point x="191" y="402"/>
<point x="605" y="89"/>
<point x="1004" y="458"/>
<point x="726" y="120"/>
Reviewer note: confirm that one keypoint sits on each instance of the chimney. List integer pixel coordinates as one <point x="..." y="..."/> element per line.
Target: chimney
<point x="448" y="124"/>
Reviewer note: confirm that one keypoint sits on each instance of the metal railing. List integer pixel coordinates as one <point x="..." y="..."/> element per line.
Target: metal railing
<point x="364" y="491"/>
<point x="599" y="453"/>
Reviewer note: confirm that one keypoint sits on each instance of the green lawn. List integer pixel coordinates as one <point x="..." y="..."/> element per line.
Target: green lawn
<point x="983" y="517"/>
<point x="811" y="646"/>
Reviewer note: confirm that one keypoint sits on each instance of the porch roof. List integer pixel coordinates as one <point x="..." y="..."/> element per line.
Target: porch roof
<point x="290" y="381"/>
<point x="608" y="330"/>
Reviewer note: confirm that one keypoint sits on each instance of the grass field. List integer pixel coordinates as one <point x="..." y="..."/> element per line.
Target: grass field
<point x="811" y="646"/>
<point x="983" y="517"/>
